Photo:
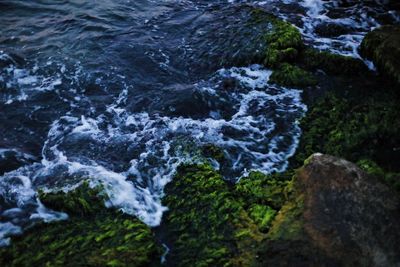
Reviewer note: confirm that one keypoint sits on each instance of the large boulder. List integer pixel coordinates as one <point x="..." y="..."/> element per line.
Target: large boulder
<point x="382" y="46"/>
<point x="338" y="216"/>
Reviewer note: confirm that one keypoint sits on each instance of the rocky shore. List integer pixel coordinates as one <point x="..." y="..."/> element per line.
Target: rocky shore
<point x="323" y="211"/>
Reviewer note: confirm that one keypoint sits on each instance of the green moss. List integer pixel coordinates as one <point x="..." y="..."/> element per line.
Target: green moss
<point x="283" y="39"/>
<point x="93" y="236"/>
<point x="258" y="188"/>
<point x="382" y="46"/>
<point x="354" y="128"/>
<point x="331" y="63"/>
<point x="213" y="151"/>
<point x="262" y="216"/>
<point x="288" y="224"/>
<point x="82" y="201"/>
<point x="391" y="178"/>
<point x="205" y="224"/>
<point x="289" y="75"/>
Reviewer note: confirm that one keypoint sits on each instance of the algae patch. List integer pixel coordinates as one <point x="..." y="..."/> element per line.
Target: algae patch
<point x="93" y="236"/>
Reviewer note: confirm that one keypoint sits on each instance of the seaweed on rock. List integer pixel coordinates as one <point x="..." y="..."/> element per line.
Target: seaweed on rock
<point x="93" y="236"/>
<point x="205" y="224"/>
<point x="289" y="75"/>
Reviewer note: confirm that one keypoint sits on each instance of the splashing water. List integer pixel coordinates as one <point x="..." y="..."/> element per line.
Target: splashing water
<point x="261" y="133"/>
<point x="107" y="94"/>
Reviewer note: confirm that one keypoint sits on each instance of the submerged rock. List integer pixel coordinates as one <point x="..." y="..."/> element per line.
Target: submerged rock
<point x="382" y="46"/>
<point x="338" y="216"/>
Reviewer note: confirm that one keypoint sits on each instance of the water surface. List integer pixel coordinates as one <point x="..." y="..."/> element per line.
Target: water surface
<point x="122" y="92"/>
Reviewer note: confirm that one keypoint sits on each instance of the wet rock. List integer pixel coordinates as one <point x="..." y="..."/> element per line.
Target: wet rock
<point x="92" y="236"/>
<point x="12" y="159"/>
<point x="206" y="224"/>
<point x="338" y="216"/>
<point x="331" y="63"/>
<point x="289" y="75"/>
<point x="331" y="29"/>
<point x="382" y="46"/>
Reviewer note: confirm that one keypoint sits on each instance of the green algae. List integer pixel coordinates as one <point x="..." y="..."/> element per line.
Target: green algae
<point x="391" y="178"/>
<point x="262" y="215"/>
<point x="312" y="59"/>
<point x="92" y="236"/>
<point x="354" y="128"/>
<point x="290" y="75"/>
<point x="82" y="201"/>
<point x="262" y="196"/>
<point x="284" y="41"/>
<point x="205" y="224"/>
<point x="269" y="190"/>
<point x="214" y="152"/>
<point x="382" y="46"/>
<point x="288" y="224"/>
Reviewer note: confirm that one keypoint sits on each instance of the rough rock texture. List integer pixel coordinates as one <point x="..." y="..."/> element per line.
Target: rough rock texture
<point x="382" y="46"/>
<point x="338" y="216"/>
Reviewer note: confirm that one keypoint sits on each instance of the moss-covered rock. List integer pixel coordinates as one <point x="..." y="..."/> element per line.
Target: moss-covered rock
<point x="205" y="224"/>
<point x="93" y="236"/>
<point x="268" y="190"/>
<point x="82" y="201"/>
<point x="214" y="152"/>
<point x="391" y="178"/>
<point x="337" y="215"/>
<point x="290" y="75"/>
<point x="262" y="215"/>
<point x="356" y="127"/>
<point x="313" y="59"/>
<point x="382" y="46"/>
<point x="283" y="39"/>
<point x="262" y="196"/>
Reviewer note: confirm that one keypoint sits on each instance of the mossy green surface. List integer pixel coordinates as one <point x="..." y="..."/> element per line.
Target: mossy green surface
<point x="382" y="46"/>
<point x="290" y="75"/>
<point x="313" y="59"/>
<point x="356" y="127"/>
<point x="214" y="152"/>
<point x="288" y="223"/>
<point x="283" y="39"/>
<point x="262" y="215"/>
<point x="269" y="190"/>
<point x="205" y="224"/>
<point x="262" y="196"/>
<point x="82" y="201"/>
<point x="391" y="178"/>
<point x="93" y="236"/>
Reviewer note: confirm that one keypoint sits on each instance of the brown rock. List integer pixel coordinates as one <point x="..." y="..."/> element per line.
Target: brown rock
<point x="347" y="218"/>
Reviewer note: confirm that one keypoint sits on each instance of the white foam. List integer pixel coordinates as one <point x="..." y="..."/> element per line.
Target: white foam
<point x="7" y="229"/>
<point x="158" y="144"/>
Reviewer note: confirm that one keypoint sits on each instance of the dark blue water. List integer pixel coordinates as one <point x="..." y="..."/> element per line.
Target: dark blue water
<point x="122" y="92"/>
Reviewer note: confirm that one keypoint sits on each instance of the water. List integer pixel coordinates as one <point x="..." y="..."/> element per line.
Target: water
<point x="122" y="92"/>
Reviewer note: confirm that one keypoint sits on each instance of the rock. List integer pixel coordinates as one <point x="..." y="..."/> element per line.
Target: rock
<point x="206" y="224"/>
<point x="93" y="235"/>
<point x="331" y="29"/>
<point x="289" y="75"/>
<point x="12" y="159"/>
<point x="382" y="46"/>
<point x="338" y="216"/>
<point x="334" y="64"/>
